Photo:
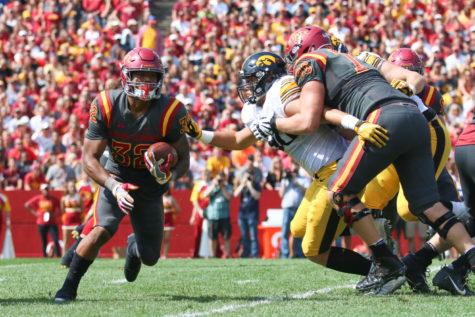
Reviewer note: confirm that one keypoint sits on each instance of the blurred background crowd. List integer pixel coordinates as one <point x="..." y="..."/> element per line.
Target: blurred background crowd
<point x="56" y="55"/>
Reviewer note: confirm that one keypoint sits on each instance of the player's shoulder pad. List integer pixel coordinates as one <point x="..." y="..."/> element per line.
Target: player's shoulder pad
<point x="310" y="63"/>
<point x="174" y="110"/>
<point x="318" y="57"/>
<point x="288" y="88"/>
<point x="103" y="105"/>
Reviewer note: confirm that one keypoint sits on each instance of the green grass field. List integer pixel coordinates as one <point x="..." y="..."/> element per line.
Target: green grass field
<point x="210" y="287"/>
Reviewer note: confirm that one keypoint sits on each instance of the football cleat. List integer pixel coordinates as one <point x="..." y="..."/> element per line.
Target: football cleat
<point x="384" y="277"/>
<point x="452" y="281"/>
<point x="367" y="283"/>
<point x="64" y="296"/>
<point x="132" y="262"/>
<point x="416" y="274"/>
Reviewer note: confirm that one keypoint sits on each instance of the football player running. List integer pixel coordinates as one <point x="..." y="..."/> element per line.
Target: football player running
<point x="266" y="89"/>
<point x="128" y="121"/>
<point x="340" y="81"/>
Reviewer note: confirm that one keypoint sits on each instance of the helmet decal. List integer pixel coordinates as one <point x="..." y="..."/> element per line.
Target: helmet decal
<point x="257" y="74"/>
<point x="265" y="60"/>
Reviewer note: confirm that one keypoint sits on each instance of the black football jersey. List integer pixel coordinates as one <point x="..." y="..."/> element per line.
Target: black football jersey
<point x="129" y="137"/>
<point x="351" y="86"/>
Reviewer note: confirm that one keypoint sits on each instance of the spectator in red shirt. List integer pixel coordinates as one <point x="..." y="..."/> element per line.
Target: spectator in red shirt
<point x="30" y="145"/>
<point x="34" y="178"/>
<point x="11" y="174"/>
<point x="46" y="209"/>
<point x="81" y="110"/>
<point x="128" y="9"/>
<point x="18" y="149"/>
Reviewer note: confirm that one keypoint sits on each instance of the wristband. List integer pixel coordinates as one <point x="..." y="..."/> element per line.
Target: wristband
<point x="349" y="122"/>
<point x="358" y="125"/>
<point x="111" y="184"/>
<point x="207" y="136"/>
<point x="273" y="124"/>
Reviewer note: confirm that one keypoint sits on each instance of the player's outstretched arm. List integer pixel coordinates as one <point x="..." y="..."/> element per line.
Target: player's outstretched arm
<point x="366" y="131"/>
<point x="228" y="140"/>
<point x="233" y="140"/>
<point x="183" y="150"/>
<point x="393" y="72"/>
<point x="306" y="119"/>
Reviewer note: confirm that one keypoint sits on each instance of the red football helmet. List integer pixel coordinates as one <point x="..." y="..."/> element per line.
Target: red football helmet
<point x="306" y="39"/>
<point x="407" y="58"/>
<point x="142" y="60"/>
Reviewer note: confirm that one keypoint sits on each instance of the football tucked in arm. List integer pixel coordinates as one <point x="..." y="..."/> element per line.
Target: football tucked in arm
<point x="160" y="158"/>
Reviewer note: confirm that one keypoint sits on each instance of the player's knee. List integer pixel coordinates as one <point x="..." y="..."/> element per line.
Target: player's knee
<point x="319" y="259"/>
<point x="442" y="224"/>
<point x="98" y="236"/>
<point x="340" y="199"/>
<point x="315" y="257"/>
<point x="309" y="251"/>
<point x="296" y="230"/>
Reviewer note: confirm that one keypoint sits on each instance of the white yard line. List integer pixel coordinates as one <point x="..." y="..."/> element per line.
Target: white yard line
<point x="242" y="282"/>
<point x="320" y="291"/>
<point x="119" y="281"/>
<point x="268" y="300"/>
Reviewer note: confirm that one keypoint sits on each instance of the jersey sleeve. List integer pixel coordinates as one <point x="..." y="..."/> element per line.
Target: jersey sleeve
<point x="174" y="122"/>
<point x="97" y="129"/>
<point x="310" y="67"/>
<point x="289" y="91"/>
<point x="432" y="98"/>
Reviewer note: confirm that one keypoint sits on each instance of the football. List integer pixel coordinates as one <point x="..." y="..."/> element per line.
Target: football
<point x="160" y="150"/>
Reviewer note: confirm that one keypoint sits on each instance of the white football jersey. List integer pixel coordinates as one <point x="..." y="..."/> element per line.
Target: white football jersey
<point x="312" y="151"/>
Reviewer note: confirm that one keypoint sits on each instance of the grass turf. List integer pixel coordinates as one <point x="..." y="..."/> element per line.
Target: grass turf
<point x="210" y="287"/>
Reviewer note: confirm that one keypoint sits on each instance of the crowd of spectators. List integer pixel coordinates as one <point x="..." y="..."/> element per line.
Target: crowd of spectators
<point x="55" y="56"/>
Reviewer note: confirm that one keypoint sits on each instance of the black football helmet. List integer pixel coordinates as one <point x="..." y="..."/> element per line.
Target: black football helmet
<point x="257" y="74"/>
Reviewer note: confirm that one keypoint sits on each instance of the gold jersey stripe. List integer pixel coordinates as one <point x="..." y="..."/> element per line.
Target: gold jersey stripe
<point x="167" y="117"/>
